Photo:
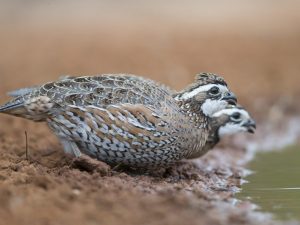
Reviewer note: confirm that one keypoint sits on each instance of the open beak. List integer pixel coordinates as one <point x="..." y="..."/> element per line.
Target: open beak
<point x="230" y="98"/>
<point x="250" y="125"/>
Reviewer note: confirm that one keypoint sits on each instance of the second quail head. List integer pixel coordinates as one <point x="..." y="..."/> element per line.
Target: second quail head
<point x="226" y="122"/>
<point x="235" y="119"/>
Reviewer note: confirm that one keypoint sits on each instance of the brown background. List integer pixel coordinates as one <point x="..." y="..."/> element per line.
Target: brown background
<point x="254" y="44"/>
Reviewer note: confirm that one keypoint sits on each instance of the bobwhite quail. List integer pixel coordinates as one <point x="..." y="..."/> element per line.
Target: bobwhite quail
<point x="124" y="118"/>
<point x="229" y="121"/>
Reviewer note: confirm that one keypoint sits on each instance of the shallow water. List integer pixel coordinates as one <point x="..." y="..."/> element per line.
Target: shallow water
<point x="275" y="184"/>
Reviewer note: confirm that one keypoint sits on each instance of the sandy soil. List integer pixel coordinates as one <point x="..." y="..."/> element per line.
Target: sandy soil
<point x="256" y="48"/>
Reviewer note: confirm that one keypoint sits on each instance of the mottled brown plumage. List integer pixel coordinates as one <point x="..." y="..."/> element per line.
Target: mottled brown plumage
<point x="124" y="118"/>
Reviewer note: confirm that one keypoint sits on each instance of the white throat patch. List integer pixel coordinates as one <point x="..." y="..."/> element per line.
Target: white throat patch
<point x="230" y="129"/>
<point x="209" y="107"/>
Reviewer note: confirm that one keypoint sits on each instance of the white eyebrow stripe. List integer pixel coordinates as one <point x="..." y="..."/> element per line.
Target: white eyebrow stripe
<point x="203" y="88"/>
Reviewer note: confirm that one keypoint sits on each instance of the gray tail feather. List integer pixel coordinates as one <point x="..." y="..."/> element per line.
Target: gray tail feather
<point x="16" y="105"/>
<point x="13" y="107"/>
<point x="20" y="92"/>
<point x="10" y="106"/>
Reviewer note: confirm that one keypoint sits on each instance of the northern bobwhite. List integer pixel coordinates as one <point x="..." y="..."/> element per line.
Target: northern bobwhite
<point x="124" y="118"/>
<point x="228" y="121"/>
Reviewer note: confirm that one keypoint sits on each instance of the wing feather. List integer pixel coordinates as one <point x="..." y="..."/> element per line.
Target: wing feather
<point x="135" y="126"/>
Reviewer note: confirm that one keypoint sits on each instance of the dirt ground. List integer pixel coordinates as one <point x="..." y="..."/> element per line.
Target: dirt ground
<point x="255" y="46"/>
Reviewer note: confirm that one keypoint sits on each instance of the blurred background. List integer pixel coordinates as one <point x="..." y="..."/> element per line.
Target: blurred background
<point x="253" y="44"/>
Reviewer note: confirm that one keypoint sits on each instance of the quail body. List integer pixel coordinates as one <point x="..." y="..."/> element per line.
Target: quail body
<point x="125" y="118"/>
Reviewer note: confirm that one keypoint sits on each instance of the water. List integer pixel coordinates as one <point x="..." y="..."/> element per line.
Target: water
<point x="275" y="185"/>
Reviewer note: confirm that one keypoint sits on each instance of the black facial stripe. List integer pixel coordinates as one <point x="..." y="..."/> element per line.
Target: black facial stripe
<point x="221" y="83"/>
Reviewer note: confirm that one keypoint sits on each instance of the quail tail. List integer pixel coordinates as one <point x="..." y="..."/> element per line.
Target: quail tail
<point x="34" y="108"/>
<point x="14" y="107"/>
<point x="21" y="92"/>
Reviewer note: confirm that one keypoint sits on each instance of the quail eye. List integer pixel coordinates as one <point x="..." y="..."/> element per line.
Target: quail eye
<point x="236" y="116"/>
<point x="214" y="91"/>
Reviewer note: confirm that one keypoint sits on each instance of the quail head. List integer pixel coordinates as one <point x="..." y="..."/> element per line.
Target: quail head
<point x="124" y="118"/>
<point x="226" y="122"/>
<point x="208" y="94"/>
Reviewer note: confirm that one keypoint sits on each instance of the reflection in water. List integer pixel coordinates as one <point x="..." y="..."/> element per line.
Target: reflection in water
<point x="275" y="185"/>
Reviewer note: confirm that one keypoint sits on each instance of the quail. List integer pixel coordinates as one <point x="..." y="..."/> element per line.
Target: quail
<point x="229" y="121"/>
<point x="121" y="118"/>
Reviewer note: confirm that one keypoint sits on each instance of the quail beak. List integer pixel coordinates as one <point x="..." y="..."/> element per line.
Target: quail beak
<point x="250" y="126"/>
<point x="230" y="98"/>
